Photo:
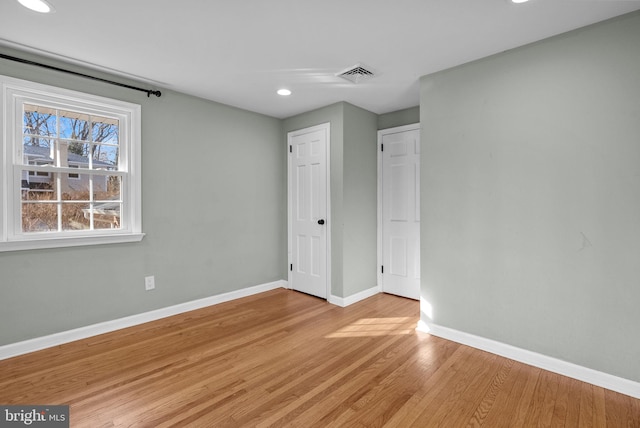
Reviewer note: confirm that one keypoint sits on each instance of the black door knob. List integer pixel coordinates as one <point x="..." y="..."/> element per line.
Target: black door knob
<point x="321" y="221"/>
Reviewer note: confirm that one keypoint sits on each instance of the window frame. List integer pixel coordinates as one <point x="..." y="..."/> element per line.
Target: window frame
<point x="16" y="93"/>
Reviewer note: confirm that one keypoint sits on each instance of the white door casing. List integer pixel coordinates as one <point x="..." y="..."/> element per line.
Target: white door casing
<point x="309" y="223"/>
<point x="399" y="210"/>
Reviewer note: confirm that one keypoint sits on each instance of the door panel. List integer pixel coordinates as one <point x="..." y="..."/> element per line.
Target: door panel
<point x="308" y="157"/>
<point x="399" y="192"/>
<point x="398" y="256"/>
<point x="401" y="212"/>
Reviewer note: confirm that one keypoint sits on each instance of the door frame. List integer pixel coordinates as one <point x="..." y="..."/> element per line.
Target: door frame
<point x="381" y="134"/>
<point x="327" y="128"/>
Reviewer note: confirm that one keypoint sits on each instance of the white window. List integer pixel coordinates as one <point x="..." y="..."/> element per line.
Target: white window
<point x="70" y="168"/>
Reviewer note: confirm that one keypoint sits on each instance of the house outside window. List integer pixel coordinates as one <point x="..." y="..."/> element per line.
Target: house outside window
<point x="71" y="168"/>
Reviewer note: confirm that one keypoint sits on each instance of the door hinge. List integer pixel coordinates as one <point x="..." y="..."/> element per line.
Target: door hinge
<point x="291" y="267"/>
<point x="382" y="147"/>
<point x="381" y="269"/>
<point x="290" y="149"/>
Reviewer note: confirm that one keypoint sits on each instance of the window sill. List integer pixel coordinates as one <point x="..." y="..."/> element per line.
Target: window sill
<point x="33" y="244"/>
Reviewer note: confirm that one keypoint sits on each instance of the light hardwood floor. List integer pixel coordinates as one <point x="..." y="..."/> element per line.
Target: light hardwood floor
<point x="283" y="358"/>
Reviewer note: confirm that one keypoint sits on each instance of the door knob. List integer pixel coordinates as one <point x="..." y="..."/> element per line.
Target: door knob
<point x="321" y="221"/>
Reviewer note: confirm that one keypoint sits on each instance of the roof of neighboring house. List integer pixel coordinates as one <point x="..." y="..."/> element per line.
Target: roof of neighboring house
<point x="45" y="152"/>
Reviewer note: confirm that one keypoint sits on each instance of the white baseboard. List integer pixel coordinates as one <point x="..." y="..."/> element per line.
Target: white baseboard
<point x="31" y="345"/>
<point x="584" y="374"/>
<point x="354" y="298"/>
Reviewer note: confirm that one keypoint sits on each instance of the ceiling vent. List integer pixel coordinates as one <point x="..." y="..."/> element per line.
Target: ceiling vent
<point x="357" y="73"/>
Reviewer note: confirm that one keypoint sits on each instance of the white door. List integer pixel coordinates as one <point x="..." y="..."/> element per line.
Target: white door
<point x="308" y="201"/>
<point x="400" y="210"/>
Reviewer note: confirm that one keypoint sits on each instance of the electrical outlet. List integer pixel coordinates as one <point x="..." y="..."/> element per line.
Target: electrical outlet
<point x="149" y="283"/>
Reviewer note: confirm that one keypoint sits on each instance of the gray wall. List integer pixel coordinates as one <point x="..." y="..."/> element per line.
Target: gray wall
<point x="353" y="192"/>
<point x="531" y="197"/>
<point x="214" y="211"/>
<point x="407" y="116"/>
<point x="360" y="200"/>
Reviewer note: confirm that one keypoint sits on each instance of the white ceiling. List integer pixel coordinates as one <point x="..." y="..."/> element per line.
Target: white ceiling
<point x="239" y="52"/>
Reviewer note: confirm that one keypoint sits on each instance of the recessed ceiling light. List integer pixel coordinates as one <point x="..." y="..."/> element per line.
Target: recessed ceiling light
<point x="519" y="1"/>
<point x="284" y="92"/>
<point x="41" y="6"/>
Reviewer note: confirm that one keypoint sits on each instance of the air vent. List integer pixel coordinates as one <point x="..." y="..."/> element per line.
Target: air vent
<point x="356" y="74"/>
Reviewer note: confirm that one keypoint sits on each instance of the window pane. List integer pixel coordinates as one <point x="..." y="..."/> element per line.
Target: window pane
<point x="76" y="187"/>
<point x="38" y="195"/>
<point x="38" y="143"/>
<point x="35" y="183"/>
<point x="75" y="216"/>
<point x="78" y="154"/>
<point x="38" y="120"/>
<point x="107" y="188"/>
<point x="36" y="151"/>
<point x="74" y="125"/>
<point x="106" y="215"/>
<point x="105" y="130"/>
<point x="39" y="217"/>
<point x="108" y="205"/>
<point x="105" y="157"/>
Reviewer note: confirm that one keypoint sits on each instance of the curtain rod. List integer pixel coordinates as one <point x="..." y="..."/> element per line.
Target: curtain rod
<point x="75" y="73"/>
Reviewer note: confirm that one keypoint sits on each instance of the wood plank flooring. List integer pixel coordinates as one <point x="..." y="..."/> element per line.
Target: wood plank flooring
<point x="283" y="358"/>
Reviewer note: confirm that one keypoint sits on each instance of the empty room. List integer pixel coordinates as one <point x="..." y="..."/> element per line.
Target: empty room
<point x="320" y="214"/>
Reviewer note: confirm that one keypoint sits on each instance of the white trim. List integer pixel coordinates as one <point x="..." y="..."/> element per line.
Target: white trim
<point x="381" y="134"/>
<point x="584" y="374"/>
<point x="379" y="202"/>
<point x="60" y="242"/>
<point x="31" y="345"/>
<point x="354" y="298"/>
<point x="327" y="128"/>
